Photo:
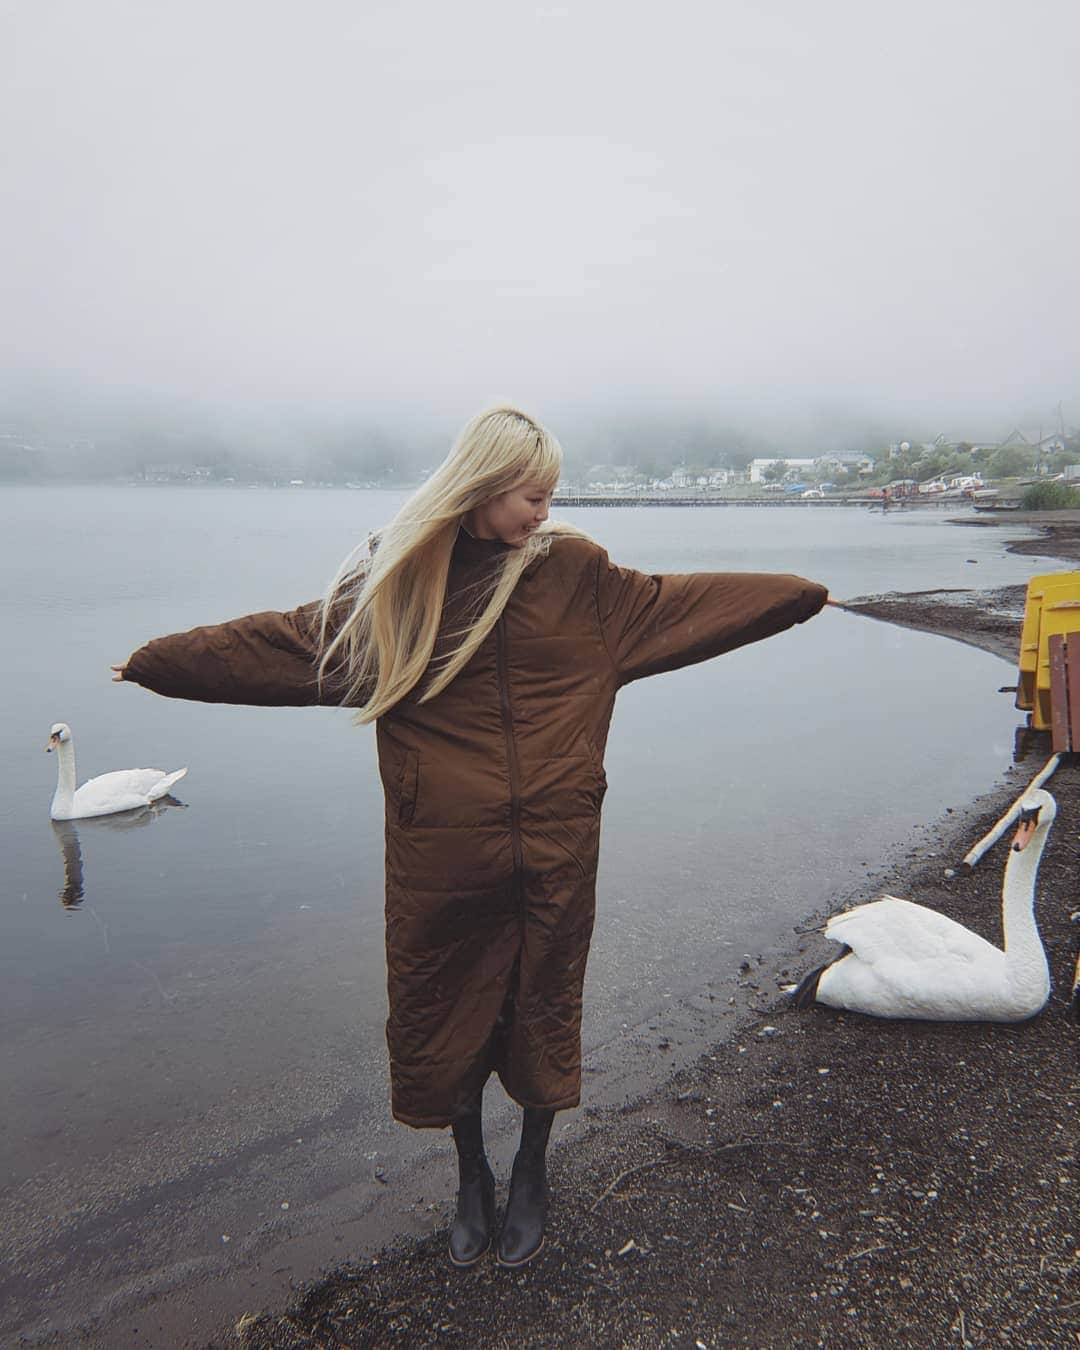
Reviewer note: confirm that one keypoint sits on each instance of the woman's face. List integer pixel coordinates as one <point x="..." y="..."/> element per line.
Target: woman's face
<point x="512" y="516"/>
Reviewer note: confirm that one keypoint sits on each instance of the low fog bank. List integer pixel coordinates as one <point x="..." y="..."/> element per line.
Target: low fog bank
<point x="55" y="434"/>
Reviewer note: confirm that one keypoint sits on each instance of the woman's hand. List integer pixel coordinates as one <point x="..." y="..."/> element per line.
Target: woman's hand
<point x="118" y="677"/>
<point x="836" y="603"/>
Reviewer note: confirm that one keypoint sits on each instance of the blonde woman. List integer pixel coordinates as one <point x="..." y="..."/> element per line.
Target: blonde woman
<point x="488" y="644"/>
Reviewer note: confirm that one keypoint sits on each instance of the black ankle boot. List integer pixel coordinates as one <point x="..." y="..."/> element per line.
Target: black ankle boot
<point x="523" y="1228"/>
<point x="474" y="1221"/>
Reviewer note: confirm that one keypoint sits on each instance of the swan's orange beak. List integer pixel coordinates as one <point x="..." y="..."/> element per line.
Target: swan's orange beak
<point x="1025" y="830"/>
<point x="54" y="741"/>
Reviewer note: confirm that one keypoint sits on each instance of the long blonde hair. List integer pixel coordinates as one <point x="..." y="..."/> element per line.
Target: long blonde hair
<point x="393" y="599"/>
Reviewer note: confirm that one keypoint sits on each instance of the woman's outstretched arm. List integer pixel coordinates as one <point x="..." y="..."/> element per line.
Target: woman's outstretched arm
<point x="656" y="623"/>
<point x="268" y="659"/>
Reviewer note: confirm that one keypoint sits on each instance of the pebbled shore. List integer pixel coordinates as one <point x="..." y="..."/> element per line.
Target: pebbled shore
<point x="816" y="1178"/>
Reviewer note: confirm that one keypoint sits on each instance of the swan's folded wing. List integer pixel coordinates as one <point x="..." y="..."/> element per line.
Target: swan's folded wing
<point x="121" y="790"/>
<point x="890" y="927"/>
<point x="139" y="782"/>
<point x="268" y="659"/>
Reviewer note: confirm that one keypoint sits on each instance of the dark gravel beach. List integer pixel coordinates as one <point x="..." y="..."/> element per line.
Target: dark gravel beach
<point x="816" y="1178"/>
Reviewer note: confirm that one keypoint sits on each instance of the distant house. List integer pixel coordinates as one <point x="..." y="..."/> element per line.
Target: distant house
<point x="852" y="460"/>
<point x="1030" y="439"/>
<point x="794" y="466"/>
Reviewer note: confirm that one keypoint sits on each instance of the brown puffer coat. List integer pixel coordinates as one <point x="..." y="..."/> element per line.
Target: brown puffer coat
<point x="493" y="794"/>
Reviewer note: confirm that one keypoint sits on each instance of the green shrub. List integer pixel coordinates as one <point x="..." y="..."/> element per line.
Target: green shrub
<point x="1050" y="497"/>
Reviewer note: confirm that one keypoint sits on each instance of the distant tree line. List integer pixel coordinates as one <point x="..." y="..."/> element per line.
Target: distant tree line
<point x="1008" y="461"/>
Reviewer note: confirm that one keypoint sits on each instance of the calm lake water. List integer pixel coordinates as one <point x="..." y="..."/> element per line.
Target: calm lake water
<point x="199" y="1040"/>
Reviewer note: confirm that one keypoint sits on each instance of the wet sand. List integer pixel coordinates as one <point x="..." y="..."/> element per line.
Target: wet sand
<point x="814" y="1177"/>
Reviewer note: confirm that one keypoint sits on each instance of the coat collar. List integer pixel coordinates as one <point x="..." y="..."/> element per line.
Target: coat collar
<point x="469" y="549"/>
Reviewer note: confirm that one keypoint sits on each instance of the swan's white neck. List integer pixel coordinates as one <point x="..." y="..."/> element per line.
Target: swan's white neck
<point x="64" y="797"/>
<point x="1024" y="951"/>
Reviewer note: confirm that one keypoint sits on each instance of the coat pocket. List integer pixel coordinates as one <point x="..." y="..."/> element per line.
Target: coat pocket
<point x="408" y="785"/>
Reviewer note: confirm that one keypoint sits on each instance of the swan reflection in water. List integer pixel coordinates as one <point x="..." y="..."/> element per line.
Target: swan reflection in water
<point x="66" y="834"/>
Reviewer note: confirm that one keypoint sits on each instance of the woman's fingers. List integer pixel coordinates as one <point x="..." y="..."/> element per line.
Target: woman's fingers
<point x="118" y="677"/>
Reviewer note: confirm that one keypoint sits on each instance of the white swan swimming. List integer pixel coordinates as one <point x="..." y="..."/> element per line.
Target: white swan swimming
<point x="123" y="790"/>
<point x="903" y="960"/>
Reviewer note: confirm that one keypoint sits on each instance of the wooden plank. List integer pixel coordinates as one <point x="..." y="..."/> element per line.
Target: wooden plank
<point x="1059" y="695"/>
<point x="1072" y="681"/>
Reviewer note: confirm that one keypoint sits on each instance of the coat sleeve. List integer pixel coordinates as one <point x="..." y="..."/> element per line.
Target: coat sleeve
<point x="267" y="659"/>
<point x="655" y="623"/>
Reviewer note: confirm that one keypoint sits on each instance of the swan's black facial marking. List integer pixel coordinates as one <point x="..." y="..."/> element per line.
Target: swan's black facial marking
<point x="1025" y="827"/>
<point x="60" y="733"/>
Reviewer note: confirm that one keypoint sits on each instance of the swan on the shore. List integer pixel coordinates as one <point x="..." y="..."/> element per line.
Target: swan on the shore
<point x="122" y="790"/>
<point x="904" y="960"/>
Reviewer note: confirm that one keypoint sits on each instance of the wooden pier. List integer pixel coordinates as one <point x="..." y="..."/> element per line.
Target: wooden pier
<point x="704" y="499"/>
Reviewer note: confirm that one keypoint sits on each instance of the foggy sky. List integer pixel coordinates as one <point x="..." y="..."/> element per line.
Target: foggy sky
<point x="795" y="213"/>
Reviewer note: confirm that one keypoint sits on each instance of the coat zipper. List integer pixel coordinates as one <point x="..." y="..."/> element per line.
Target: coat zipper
<point x="511" y="748"/>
